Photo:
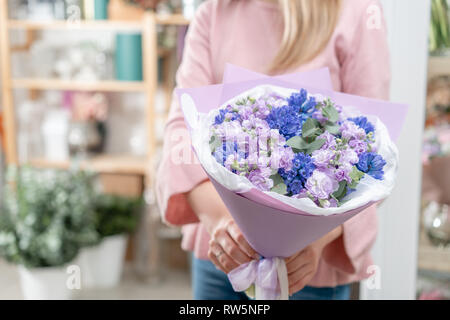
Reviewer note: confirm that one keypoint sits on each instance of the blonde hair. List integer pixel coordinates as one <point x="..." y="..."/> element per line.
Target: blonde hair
<point x="308" y="26"/>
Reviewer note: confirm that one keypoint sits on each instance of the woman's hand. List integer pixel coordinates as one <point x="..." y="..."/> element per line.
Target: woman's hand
<point x="302" y="266"/>
<point x="228" y="248"/>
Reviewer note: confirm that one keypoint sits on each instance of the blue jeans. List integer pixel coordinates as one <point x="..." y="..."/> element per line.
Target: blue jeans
<point x="210" y="283"/>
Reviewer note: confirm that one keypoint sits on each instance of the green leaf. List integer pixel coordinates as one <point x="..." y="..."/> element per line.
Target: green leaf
<point x="330" y="112"/>
<point x="310" y="128"/>
<point x="298" y="143"/>
<point x="277" y="179"/>
<point x="340" y="192"/>
<point x="279" y="188"/>
<point x="315" y="145"/>
<point x="214" y="142"/>
<point x="332" y="128"/>
<point x="355" y="175"/>
<point x="323" y="202"/>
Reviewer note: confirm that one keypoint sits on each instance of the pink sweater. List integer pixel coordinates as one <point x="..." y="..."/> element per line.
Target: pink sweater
<point x="246" y="33"/>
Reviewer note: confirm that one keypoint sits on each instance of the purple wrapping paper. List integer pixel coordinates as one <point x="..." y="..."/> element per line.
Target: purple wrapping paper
<point x="277" y="233"/>
<point x="272" y="228"/>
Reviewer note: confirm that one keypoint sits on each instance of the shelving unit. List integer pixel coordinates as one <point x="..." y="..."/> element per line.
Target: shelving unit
<point x="120" y="164"/>
<point x="58" y="84"/>
<point x="438" y="66"/>
<point x="432" y="258"/>
<point x="101" y="163"/>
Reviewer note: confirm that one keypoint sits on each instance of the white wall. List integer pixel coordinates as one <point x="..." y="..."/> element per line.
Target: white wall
<point x="395" y="251"/>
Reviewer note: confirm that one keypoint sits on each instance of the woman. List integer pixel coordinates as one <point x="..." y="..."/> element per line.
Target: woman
<point x="274" y="37"/>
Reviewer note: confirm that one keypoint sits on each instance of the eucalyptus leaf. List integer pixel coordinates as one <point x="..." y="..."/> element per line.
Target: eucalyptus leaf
<point x="356" y="174"/>
<point x="330" y="112"/>
<point x="340" y="192"/>
<point x="279" y="188"/>
<point x="214" y="143"/>
<point x="310" y="128"/>
<point x="298" y="143"/>
<point x="277" y="179"/>
<point x="315" y="145"/>
<point x="332" y="128"/>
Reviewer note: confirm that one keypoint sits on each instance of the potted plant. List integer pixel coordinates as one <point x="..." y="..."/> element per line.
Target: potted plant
<point x="115" y="217"/>
<point x="46" y="217"/>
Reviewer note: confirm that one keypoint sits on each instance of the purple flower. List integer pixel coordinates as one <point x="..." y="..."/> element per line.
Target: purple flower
<point x="260" y="178"/>
<point x="245" y="112"/>
<point x="287" y="120"/>
<point x="321" y="184"/>
<point x="282" y="158"/>
<point x="220" y="117"/>
<point x="349" y="130"/>
<point x="348" y="156"/>
<point x="358" y="146"/>
<point x="343" y="172"/>
<point x="261" y="109"/>
<point x="302" y="169"/>
<point x="330" y="140"/>
<point x="363" y="123"/>
<point x="301" y="102"/>
<point x="372" y="164"/>
<point x="322" y="158"/>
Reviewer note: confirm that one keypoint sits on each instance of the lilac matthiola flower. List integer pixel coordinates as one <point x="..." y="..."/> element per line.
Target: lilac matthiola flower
<point x="260" y="178"/>
<point x="322" y="158"/>
<point x="358" y="146"/>
<point x="330" y="140"/>
<point x="349" y="130"/>
<point x="245" y="112"/>
<point x="261" y="109"/>
<point x="321" y="184"/>
<point x="343" y="172"/>
<point x="348" y="156"/>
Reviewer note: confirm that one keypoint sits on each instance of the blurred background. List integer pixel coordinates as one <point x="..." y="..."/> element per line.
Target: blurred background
<point x="87" y="84"/>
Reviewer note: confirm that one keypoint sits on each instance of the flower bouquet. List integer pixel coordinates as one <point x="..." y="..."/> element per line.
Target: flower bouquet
<point x="290" y="162"/>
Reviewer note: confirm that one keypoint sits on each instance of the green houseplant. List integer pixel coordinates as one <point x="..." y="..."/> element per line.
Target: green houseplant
<point x="115" y="218"/>
<point x="46" y="217"/>
<point x="439" y="39"/>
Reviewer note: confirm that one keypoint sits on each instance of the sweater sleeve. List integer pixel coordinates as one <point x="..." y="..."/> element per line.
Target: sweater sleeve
<point x="365" y="72"/>
<point x="179" y="171"/>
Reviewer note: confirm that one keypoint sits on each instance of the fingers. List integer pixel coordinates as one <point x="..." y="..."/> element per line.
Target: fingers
<point x="295" y="264"/>
<point x="293" y="257"/>
<point x="222" y="237"/>
<point x="298" y="275"/>
<point x="216" y="262"/>
<point x="220" y="258"/>
<point x="300" y="284"/>
<point x="238" y="237"/>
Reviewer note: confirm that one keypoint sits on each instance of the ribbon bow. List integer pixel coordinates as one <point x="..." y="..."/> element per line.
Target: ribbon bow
<point x="269" y="276"/>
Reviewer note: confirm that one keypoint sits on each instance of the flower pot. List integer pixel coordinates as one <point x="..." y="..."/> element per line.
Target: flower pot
<point x="48" y="283"/>
<point x="101" y="265"/>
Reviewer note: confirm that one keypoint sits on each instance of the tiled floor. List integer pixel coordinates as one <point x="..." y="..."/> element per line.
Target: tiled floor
<point x="171" y="285"/>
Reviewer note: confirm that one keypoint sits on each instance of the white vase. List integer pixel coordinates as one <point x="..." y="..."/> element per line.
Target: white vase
<point x="49" y="283"/>
<point x="101" y="266"/>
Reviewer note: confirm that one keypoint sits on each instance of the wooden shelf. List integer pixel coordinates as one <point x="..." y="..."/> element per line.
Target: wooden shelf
<point x="120" y="164"/>
<point x="438" y="66"/>
<point x="59" y="84"/>
<point x="432" y="258"/>
<point x="173" y="19"/>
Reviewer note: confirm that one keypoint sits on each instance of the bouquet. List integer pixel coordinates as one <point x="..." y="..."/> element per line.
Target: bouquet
<point x="299" y="145"/>
<point x="291" y="159"/>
